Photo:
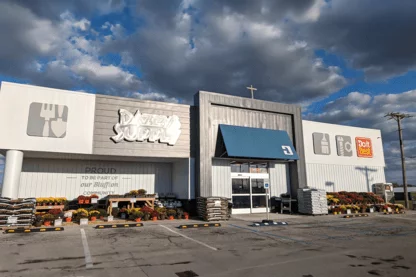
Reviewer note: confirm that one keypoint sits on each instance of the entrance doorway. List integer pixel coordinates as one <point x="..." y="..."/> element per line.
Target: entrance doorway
<point x="248" y="192"/>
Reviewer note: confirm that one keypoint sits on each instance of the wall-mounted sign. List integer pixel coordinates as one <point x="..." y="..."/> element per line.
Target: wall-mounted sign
<point x="344" y="146"/>
<point x="47" y="120"/>
<point x="147" y="127"/>
<point x="321" y="144"/>
<point x="364" y="147"/>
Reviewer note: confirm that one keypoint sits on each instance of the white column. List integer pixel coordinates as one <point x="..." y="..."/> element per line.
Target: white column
<point x="12" y="170"/>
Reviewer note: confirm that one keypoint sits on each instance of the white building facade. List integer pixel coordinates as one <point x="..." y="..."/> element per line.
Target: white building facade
<point x="61" y="143"/>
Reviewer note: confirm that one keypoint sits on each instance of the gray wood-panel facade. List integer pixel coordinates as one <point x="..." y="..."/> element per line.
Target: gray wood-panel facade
<point x="106" y="116"/>
<point x="215" y="109"/>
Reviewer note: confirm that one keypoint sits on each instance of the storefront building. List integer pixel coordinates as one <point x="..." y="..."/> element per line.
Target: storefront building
<point x="65" y="143"/>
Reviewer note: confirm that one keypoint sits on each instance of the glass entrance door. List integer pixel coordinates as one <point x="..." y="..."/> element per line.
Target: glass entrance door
<point x="248" y="193"/>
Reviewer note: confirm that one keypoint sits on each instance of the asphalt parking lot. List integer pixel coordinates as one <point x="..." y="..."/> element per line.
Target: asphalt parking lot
<point x="383" y="245"/>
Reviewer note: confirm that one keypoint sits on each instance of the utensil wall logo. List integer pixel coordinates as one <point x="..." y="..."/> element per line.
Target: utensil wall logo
<point x="364" y="147"/>
<point x="344" y="146"/>
<point x="321" y="144"/>
<point x="47" y="120"/>
<point x="150" y="127"/>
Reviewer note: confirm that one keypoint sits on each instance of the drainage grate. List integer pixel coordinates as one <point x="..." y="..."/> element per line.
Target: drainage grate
<point x="188" y="273"/>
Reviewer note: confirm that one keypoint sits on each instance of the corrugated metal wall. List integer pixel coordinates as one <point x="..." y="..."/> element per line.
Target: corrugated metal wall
<point x="43" y="178"/>
<point x="279" y="178"/>
<point x="106" y="116"/>
<point x="344" y="177"/>
<point x="221" y="178"/>
<point x="180" y="178"/>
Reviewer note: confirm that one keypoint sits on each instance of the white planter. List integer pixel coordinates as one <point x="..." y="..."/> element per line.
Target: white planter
<point x="110" y="218"/>
<point x="348" y="211"/>
<point x="58" y="222"/>
<point x="83" y="221"/>
<point x="371" y="210"/>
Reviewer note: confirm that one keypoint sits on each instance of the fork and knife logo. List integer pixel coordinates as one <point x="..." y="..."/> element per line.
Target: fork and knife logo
<point x="47" y="120"/>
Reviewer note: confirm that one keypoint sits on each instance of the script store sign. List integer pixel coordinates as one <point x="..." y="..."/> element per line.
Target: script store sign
<point x="147" y="127"/>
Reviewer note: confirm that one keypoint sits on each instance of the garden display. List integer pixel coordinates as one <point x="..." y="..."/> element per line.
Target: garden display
<point x="50" y="201"/>
<point x="17" y="212"/>
<point x="87" y="211"/>
<point x="358" y="202"/>
<point x="312" y="201"/>
<point x="213" y="208"/>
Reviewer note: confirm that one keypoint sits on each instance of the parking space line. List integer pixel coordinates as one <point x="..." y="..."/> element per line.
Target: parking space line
<point x="87" y="254"/>
<point x="269" y="234"/>
<point x="194" y="240"/>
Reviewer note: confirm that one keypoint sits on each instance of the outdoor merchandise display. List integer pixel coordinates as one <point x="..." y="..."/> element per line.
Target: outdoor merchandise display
<point x="213" y="208"/>
<point x="17" y="212"/>
<point x="312" y="201"/>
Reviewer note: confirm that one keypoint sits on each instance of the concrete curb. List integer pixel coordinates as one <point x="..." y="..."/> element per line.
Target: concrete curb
<point x="106" y="226"/>
<point x="33" y="230"/>
<point x="199" y="225"/>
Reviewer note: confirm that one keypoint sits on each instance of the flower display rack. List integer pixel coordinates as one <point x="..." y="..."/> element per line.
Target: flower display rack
<point x="17" y="212"/>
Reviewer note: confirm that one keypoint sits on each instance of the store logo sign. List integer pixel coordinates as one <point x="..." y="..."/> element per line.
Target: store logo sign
<point x="47" y="120"/>
<point x="147" y="127"/>
<point x="321" y="144"/>
<point x="364" y="147"/>
<point x="344" y="146"/>
<point x="287" y="150"/>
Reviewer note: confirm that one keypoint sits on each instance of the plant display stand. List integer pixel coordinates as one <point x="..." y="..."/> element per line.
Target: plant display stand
<point x="40" y="208"/>
<point x="17" y="212"/>
<point x="150" y="202"/>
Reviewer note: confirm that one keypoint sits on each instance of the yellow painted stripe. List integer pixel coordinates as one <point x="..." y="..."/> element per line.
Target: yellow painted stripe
<point x="113" y="226"/>
<point x="216" y="225"/>
<point x="27" y="231"/>
<point x="42" y="230"/>
<point x="195" y="225"/>
<point x="184" y="226"/>
<point x="57" y="229"/>
<point x="100" y="226"/>
<point x="11" y="231"/>
<point x="126" y="225"/>
<point x="206" y="225"/>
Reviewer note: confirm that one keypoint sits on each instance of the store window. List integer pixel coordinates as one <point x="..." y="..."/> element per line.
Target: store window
<point x="241" y="186"/>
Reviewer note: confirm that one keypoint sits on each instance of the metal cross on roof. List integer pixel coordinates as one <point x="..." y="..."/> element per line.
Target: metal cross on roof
<point x="252" y="90"/>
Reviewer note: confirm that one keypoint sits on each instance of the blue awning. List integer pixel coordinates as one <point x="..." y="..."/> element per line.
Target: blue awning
<point x="256" y="143"/>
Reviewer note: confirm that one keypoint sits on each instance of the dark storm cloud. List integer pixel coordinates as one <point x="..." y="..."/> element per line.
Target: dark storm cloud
<point x="375" y="36"/>
<point x="236" y="43"/>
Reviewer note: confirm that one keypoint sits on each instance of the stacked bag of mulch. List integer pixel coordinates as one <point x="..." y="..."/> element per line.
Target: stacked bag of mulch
<point x="213" y="208"/>
<point x="17" y="212"/>
<point x="312" y="201"/>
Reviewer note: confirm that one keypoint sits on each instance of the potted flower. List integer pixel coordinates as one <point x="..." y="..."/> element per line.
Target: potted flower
<point x="136" y="215"/>
<point x="94" y="214"/>
<point x="186" y="215"/>
<point x="81" y="199"/>
<point x="87" y="199"/>
<point x="68" y="215"/>
<point x="146" y="215"/>
<point x="141" y="192"/>
<point x="171" y="214"/>
<point x="103" y="213"/>
<point x="47" y="219"/>
<point x="155" y="215"/>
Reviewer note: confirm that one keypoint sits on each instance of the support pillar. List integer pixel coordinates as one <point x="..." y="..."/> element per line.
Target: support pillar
<point x="12" y="170"/>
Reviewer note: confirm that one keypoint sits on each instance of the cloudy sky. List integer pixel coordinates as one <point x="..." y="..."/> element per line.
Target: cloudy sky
<point x="346" y="62"/>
